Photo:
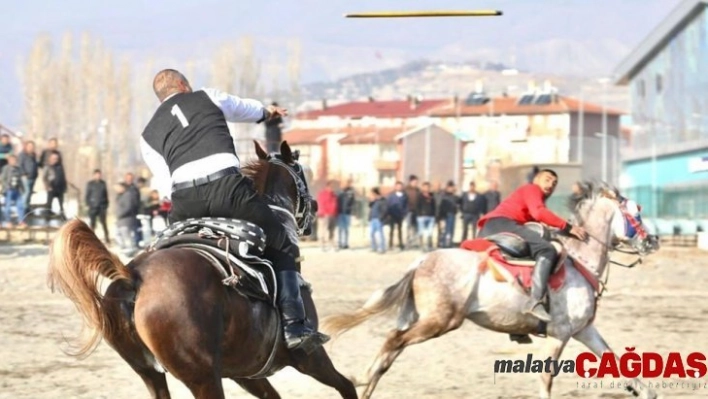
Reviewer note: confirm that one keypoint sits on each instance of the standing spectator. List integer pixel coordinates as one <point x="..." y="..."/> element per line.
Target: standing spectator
<point x="426" y="217"/>
<point x="492" y="196"/>
<point x="327" y="215"/>
<point x="52" y="149"/>
<point x="377" y="214"/>
<point x="412" y="193"/>
<point x="134" y="192"/>
<point x="474" y="205"/>
<point x="11" y="177"/>
<point x="30" y="170"/>
<point x="97" y="202"/>
<point x="125" y="213"/>
<point x="55" y="182"/>
<point x="5" y="150"/>
<point x="447" y="213"/>
<point x="345" y="206"/>
<point x="397" y="208"/>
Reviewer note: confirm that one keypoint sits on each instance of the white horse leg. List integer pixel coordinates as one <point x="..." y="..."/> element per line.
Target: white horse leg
<point x="594" y="341"/>
<point x="553" y="347"/>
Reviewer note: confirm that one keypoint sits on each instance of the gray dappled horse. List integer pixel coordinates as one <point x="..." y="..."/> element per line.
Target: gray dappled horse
<point x="447" y="286"/>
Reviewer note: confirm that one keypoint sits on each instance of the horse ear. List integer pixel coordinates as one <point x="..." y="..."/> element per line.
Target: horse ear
<point x="296" y="155"/>
<point x="262" y="154"/>
<point x="285" y="152"/>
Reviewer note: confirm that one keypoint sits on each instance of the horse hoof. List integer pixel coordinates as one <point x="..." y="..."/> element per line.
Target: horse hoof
<point x="521" y="339"/>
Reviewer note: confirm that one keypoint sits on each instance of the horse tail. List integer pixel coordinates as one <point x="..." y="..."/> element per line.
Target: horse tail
<point x="77" y="260"/>
<point x="398" y="294"/>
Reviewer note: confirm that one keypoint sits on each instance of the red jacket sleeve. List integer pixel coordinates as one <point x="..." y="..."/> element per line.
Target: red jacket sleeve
<point x="534" y="202"/>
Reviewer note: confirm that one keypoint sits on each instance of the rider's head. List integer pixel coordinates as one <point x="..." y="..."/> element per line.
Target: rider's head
<point x="168" y="82"/>
<point x="547" y="179"/>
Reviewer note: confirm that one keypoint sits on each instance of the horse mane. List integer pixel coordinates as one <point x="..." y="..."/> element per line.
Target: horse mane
<point x="257" y="171"/>
<point x="591" y="190"/>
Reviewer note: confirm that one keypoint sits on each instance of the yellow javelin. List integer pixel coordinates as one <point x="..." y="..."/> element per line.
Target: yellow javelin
<point x="407" y="14"/>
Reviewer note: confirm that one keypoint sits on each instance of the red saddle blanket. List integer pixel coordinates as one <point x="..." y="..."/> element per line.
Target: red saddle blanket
<point x="521" y="273"/>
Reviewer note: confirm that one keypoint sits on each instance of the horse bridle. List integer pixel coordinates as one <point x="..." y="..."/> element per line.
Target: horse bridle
<point x="613" y="248"/>
<point x="303" y="202"/>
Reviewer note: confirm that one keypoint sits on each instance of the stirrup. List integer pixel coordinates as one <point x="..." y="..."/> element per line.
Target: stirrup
<point x="307" y="342"/>
<point x="543" y="315"/>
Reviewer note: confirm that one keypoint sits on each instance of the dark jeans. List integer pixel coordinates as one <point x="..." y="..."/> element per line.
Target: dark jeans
<point x="234" y="196"/>
<point x="395" y="223"/>
<point x="99" y="214"/>
<point x="537" y="245"/>
<point x="469" y="220"/>
<point x="448" y="230"/>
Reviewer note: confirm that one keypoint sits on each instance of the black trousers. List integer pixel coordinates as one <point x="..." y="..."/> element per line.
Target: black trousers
<point x="537" y="245"/>
<point x="234" y="196"/>
<point x="395" y="223"/>
<point x="100" y="215"/>
<point x="469" y="221"/>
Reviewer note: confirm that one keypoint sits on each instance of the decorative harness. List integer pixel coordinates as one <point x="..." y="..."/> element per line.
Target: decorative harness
<point x="303" y="202"/>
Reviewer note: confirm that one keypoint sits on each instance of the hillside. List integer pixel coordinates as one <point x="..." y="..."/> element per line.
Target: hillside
<point x="431" y="79"/>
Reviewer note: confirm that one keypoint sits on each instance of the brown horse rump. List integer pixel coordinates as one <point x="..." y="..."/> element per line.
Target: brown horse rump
<point x="232" y="246"/>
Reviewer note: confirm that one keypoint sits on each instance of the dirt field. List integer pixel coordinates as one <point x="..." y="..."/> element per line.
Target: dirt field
<point x="659" y="306"/>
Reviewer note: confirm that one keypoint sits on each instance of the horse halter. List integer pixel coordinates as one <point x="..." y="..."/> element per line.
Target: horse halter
<point x="303" y="202"/>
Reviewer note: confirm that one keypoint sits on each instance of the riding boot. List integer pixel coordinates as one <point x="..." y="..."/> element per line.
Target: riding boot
<point x="539" y="282"/>
<point x="292" y="312"/>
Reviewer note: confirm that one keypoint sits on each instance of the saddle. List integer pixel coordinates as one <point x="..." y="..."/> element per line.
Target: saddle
<point x="234" y="248"/>
<point x="509" y="257"/>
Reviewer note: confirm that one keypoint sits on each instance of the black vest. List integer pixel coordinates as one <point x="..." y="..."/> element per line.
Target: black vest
<point x="188" y="127"/>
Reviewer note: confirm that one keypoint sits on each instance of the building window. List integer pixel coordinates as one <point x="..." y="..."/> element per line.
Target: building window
<point x="659" y="83"/>
<point x="640" y="88"/>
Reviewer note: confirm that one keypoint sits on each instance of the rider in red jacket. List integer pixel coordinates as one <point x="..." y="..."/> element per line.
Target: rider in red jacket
<point x="528" y="204"/>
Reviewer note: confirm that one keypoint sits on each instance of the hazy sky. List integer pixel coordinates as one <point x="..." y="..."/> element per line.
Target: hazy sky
<point x="332" y="45"/>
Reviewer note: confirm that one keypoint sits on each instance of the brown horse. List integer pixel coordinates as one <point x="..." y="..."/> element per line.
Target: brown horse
<point x="169" y="310"/>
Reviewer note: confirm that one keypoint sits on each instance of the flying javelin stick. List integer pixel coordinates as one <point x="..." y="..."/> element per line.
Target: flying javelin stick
<point x="408" y="14"/>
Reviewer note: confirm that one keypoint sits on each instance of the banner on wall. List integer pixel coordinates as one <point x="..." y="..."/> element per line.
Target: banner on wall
<point x="698" y="164"/>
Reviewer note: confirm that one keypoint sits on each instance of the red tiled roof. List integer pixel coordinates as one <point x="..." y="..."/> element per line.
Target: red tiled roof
<point x="305" y="136"/>
<point x="373" y="135"/>
<point x="378" y="109"/>
<point x="509" y="106"/>
<point x="354" y="135"/>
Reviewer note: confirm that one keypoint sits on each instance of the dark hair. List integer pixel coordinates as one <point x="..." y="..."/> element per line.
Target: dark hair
<point x="376" y="191"/>
<point x="412" y="177"/>
<point x="549" y="171"/>
<point x="97" y="171"/>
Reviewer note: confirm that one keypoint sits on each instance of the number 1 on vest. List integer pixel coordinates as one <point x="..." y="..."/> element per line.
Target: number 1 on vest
<point x="176" y="111"/>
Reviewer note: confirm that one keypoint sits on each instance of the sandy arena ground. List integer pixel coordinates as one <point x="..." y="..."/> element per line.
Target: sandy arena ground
<point x="658" y="306"/>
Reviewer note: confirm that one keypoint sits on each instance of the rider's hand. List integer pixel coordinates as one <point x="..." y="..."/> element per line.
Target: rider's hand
<point x="579" y="233"/>
<point x="274" y="112"/>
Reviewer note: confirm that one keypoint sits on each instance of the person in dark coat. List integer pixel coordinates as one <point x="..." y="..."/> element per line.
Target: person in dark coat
<point x="126" y="218"/>
<point x="447" y="213"/>
<point x="30" y="170"/>
<point x="473" y="205"/>
<point x="12" y="188"/>
<point x="493" y="196"/>
<point x="377" y="214"/>
<point x="55" y="182"/>
<point x="5" y="149"/>
<point x="425" y="211"/>
<point x="346" y="200"/>
<point x="397" y="203"/>
<point x="97" y="202"/>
